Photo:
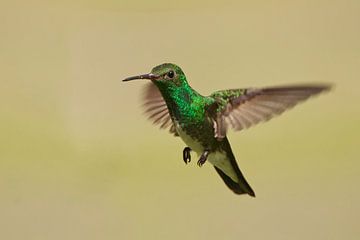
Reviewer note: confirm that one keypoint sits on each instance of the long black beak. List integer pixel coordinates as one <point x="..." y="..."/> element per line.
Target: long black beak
<point x="149" y="76"/>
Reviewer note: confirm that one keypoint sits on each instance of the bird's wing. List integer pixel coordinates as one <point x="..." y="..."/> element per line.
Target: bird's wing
<point x="156" y="109"/>
<point x="243" y="108"/>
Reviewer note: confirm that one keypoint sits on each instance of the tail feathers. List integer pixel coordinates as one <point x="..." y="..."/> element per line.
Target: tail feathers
<point x="241" y="187"/>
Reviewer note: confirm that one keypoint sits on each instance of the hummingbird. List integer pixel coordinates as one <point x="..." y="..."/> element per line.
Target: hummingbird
<point x="202" y="121"/>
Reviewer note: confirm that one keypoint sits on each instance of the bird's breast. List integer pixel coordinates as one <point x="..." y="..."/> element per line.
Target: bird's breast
<point x="189" y="140"/>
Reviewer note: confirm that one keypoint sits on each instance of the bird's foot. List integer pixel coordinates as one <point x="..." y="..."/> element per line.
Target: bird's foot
<point x="203" y="158"/>
<point x="186" y="155"/>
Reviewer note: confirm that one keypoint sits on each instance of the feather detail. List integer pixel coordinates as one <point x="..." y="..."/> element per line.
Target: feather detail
<point x="243" y="108"/>
<point x="156" y="109"/>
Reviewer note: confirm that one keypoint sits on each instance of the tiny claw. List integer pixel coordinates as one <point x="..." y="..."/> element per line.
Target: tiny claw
<point x="187" y="155"/>
<point x="203" y="158"/>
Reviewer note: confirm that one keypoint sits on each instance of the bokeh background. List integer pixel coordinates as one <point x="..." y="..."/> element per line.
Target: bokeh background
<point x="78" y="160"/>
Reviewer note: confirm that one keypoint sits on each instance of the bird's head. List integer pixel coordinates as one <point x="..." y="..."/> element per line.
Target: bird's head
<point x="164" y="75"/>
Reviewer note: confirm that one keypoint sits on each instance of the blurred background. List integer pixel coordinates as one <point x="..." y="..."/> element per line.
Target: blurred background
<point x="78" y="160"/>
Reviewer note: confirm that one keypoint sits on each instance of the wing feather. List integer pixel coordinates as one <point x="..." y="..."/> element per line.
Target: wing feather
<point x="243" y="108"/>
<point x="156" y="109"/>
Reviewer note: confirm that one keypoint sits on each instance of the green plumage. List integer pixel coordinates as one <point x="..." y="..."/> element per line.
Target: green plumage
<point x="202" y="121"/>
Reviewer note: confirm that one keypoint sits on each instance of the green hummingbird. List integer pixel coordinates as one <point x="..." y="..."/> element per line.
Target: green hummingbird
<point x="202" y="121"/>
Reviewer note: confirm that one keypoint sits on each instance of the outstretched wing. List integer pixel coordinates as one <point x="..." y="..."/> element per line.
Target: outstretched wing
<point x="156" y="109"/>
<point x="243" y="108"/>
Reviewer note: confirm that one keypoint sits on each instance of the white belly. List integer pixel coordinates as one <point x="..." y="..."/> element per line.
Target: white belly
<point x="218" y="159"/>
<point x="189" y="141"/>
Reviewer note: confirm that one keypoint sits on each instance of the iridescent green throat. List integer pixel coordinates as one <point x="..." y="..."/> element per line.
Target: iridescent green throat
<point x="183" y="102"/>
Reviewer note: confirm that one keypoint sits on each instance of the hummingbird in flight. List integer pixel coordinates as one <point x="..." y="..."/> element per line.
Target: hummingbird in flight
<point x="202" y="121"/>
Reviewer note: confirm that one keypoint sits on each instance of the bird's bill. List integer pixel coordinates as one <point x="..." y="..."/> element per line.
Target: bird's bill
<point x="149" y="76"/>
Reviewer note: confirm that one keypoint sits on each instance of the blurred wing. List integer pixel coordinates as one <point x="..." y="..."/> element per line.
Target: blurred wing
<point x="156" y="109"/>
<point x="243" y="108"/>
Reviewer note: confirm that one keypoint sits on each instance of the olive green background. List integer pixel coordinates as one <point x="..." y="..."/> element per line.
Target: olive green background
<point x="78" y="160"/>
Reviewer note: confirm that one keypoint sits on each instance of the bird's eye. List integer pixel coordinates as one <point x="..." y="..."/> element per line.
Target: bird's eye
<point x="170" y="74"/>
